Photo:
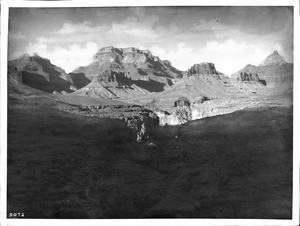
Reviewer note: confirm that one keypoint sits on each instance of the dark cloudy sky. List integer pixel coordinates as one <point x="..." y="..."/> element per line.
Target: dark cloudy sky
<point x="230" y="37"/>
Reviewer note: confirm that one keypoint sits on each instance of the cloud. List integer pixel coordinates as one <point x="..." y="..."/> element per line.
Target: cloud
<point x="69" y="28"/>
<point x="228" y="56"/>
<point x="183" y="56"/>
<point x="69" y="57"/>
<point x="231" y="55"/>
<point x="86" y="38"/>
<point x="183" y="41"/>
<point x="131" y="31"/>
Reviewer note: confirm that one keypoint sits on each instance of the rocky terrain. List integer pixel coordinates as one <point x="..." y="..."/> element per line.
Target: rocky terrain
<point x="135" y="76"/>
<point x="121" y="138"/>
<point x="251" y="87"/>
<point x="125" y="72"/>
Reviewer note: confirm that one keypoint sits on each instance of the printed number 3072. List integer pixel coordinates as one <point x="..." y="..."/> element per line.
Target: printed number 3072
<point x="16" y="215"/>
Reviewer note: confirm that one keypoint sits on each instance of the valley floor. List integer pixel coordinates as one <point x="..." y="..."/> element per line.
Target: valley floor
<point x="63" y="165"/>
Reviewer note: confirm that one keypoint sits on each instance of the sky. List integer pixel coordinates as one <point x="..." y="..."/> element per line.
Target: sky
<point x="229" y="37"/>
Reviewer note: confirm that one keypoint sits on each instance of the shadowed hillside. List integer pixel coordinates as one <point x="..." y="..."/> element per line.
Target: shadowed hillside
<point x="39" y="73"/>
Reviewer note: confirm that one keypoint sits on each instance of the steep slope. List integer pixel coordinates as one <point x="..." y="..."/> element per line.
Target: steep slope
<point x="40" y="73"/>
<point x="126" y="71"/>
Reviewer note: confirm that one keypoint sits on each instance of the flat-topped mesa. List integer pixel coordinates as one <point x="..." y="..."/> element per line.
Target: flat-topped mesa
<point x="123" y="55"/>
<point x="204" y="68"/>
<point x="126" y="72"/>
<point x="273" y="59"/>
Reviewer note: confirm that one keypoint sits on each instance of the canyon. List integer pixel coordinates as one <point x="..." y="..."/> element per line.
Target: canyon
<point x="130" y="136"/>
<point x="135" y="77"/>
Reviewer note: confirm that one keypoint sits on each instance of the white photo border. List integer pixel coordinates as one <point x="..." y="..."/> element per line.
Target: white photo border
<point x="7" y="4"/>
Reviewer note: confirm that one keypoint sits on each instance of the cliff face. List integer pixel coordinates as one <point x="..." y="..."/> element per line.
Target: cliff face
<point x="247" y="77"/>
<point x="41" y="74"/>
<point x="243" y="76"/>
<point x="202" y="69"/>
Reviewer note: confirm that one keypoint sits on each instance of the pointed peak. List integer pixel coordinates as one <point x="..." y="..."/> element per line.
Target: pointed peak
<point x="273" y="59"/>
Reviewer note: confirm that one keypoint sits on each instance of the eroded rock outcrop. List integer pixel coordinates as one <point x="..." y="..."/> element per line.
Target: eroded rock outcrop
<point x="129" y="69"/>
<point x="179" y="114"/>
<point x="141" y="121"/>
<point x="128" y="61"/>
<point x="182" y="102"/>
<point x="202" y="69"/>
<point x="245" y="77"/>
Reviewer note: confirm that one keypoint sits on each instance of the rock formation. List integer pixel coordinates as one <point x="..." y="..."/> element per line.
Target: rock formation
<point x="182" y="102"/>
<point x="202" y="69"/>
<point x="274" y="71"/>
<point x="127" y="68"/>
<point x="246" y="77"/>
<point x="137" y="77"/>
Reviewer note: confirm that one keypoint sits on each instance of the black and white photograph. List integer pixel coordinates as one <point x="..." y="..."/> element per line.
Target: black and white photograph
<point x="151" y="112"/>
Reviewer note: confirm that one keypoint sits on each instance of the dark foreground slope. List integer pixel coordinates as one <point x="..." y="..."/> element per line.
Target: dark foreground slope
<point x="63" y="165"/>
